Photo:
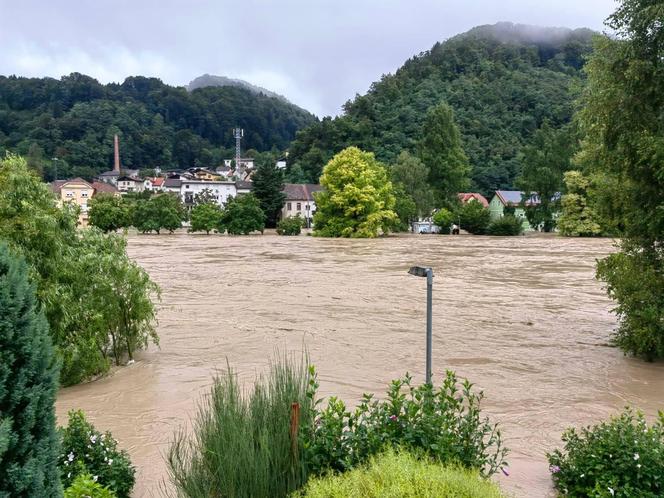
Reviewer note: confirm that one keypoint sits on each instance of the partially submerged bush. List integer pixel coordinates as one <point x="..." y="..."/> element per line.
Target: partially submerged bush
<point x="443" y="422"/>
<point x="88" y="451"/>
<point x="290" y="226"/>
<point x="474" y="217"/>
<point x="85" y="486"/>
<point x="622" y="458"/>
<point x="400" y="475"/>
<point x="243" y="445"/>
<point x="444" y="219"/>
<point x="506" y="226"/>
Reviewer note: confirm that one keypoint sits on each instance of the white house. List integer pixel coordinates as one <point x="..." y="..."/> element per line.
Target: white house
<point x="130" y="184"/>
<point x="189" y="189"/>
<point x="300" y="200"/>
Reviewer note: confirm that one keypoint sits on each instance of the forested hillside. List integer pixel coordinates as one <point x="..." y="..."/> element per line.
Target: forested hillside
<point x="502" y="81"/>
<point x="74" y="119"/>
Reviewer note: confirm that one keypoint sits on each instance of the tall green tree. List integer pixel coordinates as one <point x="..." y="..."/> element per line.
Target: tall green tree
<point x="577" y="216"/>
<point x="268" y="184"/>
<point x="413" y="175"/>
<point x="544" y="162"/>
<point x="358" y="200"/>
<point x="29" y="444"/>
<point x="440" y="149"/>
<point x="109" y="212"/>
<point x="159" y="212"/>
<point x="241" y="216"/>
<point x="205" y="217"/>
<point x="623" y="149"/>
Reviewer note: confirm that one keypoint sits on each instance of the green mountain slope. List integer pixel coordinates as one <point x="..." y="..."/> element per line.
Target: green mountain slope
<point x="503" y="81"/>
<point x="75" y="118"/>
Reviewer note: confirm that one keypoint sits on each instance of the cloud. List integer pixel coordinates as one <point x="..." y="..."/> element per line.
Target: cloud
<point x="317" y="53"/>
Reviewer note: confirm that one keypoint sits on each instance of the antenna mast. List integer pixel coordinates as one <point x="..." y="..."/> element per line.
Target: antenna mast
<point x="238" y="133"/>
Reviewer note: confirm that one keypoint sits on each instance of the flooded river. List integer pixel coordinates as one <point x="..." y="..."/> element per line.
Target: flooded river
<point x="521" y="317"/>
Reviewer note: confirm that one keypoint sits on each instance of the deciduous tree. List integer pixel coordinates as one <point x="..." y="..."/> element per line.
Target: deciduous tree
<point x="358" y="199"/>
<point x="242" y="215"/>
<point x="109" y="213"/>
<point x="413" y="175"/>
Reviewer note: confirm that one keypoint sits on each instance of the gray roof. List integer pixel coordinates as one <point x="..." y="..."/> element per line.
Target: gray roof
<point x="172" y="182"/>
<point x="244" y="185"/>
<point x="301" y="191"/>
<point x="513" y="197"/>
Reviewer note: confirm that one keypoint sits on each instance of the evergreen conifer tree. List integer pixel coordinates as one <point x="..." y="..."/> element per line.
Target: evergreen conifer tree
<point x="268" y="189"/>
<point x="28" y="385"/>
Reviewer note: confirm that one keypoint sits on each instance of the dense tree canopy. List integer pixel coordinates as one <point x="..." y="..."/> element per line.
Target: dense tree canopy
<point x="268" y="184"/>
<point x="358" y="199"/>
<point x="501" y="81"/>
<point x="623" y="151"/>
<point x="74" y="119"/>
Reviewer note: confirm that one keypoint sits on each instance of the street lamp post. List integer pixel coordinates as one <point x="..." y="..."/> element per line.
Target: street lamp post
<point x="420" y="271"/>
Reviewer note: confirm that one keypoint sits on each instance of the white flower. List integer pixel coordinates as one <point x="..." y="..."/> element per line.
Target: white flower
<point x="70" y="457"/>
<point x="611" y="491"/>
<point x="93" y="439"/>
<point x="94" y="478"/>
<point x="636" y="456"/>
<point x="582" y="476"/>
<point x="638" y="465"/>
<point x="69" y="475"/>
<point x="110" y="461"/>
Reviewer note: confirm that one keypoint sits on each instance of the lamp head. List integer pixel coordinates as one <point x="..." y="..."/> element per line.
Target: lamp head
<point x="420" y="271"/>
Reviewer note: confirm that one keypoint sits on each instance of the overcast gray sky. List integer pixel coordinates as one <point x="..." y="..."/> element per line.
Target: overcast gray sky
<point x="317" y="53"/>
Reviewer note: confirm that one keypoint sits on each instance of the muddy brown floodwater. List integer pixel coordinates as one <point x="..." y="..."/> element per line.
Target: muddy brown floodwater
<point x="522" y="317"/>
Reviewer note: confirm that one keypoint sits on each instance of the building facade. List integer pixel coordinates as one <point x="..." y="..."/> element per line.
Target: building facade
<point x="300" y="201"/>
<point x="79" y="192"/>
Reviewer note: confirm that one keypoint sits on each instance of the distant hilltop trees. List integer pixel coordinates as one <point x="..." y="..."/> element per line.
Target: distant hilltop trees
<point x="75" y="118"/>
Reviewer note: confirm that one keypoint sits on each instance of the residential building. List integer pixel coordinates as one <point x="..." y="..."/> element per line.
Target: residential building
<point x="243" y="187"/>
<point x="113" y="175"/>
<point x="300" y="200"/>
<point x="511" y="199"/>
<point x="127" y="183"/>
<point x="221" y="190"/>
<point x="466" y="197"/>
<point x="79" y="192"/>
<point x="205" y="174"/>
<point x="155" y="184"/>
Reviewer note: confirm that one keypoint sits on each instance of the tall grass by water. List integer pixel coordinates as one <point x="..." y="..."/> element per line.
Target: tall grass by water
<point x="243" y="443"/>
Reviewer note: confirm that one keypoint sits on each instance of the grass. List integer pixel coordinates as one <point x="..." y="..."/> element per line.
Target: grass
<point x="401" y="475"/>
<point x="241" y="444"/>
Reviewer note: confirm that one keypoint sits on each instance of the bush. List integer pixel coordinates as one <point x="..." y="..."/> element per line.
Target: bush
<point x="444" y="219"/>
<point x="28" y="386"/>
<point x="506" y="226"/>
<point x="443" y="422"/>
<point x="474" y="217"/>
<point x="85" y="486"/>
<point x="635" y="279"/>
<point x="621" y="458"/>
<point x="290" y="226"/>
<point x="242" y="446"/>
<point x="87" y="451"/>
<point x="401" y="475"/>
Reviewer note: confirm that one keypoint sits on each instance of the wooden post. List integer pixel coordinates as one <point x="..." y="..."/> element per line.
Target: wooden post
<point x="294" y="427"/>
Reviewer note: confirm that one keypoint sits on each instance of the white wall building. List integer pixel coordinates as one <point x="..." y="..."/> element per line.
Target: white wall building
<point x="300" y="200"/>
<point x="130" y="184"/>
<point x="189" y="189"/>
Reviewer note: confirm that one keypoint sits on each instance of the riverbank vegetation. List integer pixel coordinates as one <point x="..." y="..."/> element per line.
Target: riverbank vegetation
<point x="269" y="442"/>
<point x="404" y="475"/>
<point x="622" y="457"/>
<point x="98" y="302"/>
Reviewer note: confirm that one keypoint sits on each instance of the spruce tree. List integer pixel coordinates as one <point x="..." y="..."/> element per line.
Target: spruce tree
<point x="440" y="149"/>
<point x="28" y="385"/>
<point x="268" y="189"/>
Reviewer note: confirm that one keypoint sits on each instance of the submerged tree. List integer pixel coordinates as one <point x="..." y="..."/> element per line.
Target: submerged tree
<point x="577" y="217"/>
<point x="29" y="443"/>
<point x="413" y="175"/>
<point x="624" y="151"/>
<point x="109" y="212"/>
<point x="241" y="216"/>
<point x="268" y="184"/>
<point x="358" y="199"/>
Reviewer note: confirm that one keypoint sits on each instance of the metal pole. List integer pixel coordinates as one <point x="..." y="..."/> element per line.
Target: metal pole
<point x="429" y="315"/>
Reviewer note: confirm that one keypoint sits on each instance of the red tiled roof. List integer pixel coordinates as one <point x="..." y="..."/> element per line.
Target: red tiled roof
<point x="157" y="182"/>
<point x="464" y="197"/>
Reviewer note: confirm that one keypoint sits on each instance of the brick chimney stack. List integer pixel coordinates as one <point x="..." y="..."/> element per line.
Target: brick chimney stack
<point x="116" y="164"/>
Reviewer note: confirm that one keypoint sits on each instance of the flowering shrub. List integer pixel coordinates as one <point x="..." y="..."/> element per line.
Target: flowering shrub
<point x="84" y="486"/>
<point x="444" y="423"/>
<point x="88" y="451"/>
<point x="623" y="457"/>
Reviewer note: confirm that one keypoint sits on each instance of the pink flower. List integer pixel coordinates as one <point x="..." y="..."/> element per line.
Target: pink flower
<point x="505" y="471"/>
<point x="393" y="418"/>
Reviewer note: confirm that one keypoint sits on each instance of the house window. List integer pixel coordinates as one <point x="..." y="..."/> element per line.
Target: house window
<point x="70" y="194"/>
<point x="289" y="206"/>
<point x="84" y="194"/>
<point x="186" y="186"/>
<point x="306" y="207"/>
<point x="299" y="206"/>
